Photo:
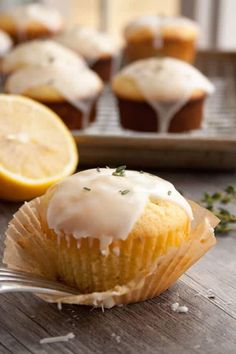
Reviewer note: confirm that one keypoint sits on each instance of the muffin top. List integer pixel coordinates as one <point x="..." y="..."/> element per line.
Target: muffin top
<point x="88" y="42"/>
<point x="55" y="82"/>
<point x="165" y="79"/>
<point x="40" y="52"/>
<point x="151" y="26"/>
<point x="30" y="16"/>
<point x="106" y="203"/>
<point x="5" y="43"/>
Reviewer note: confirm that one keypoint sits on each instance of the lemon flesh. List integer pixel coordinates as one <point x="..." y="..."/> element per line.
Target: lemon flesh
<point x="36" y="148"/>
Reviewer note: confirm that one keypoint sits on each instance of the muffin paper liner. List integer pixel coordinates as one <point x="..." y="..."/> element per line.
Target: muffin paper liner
<point x="158" y="274"/>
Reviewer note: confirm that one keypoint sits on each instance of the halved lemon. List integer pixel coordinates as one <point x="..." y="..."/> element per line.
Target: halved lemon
<point x="36" y="148"/>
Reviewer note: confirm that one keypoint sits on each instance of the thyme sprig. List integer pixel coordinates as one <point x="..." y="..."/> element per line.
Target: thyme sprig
<point x="216" y="203"/>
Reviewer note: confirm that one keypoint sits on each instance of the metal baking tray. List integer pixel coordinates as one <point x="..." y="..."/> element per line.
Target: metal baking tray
<point x="212" y="147"/>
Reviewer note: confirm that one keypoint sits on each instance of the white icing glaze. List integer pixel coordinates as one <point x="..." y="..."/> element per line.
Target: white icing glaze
<point x="40" y="52"/>
<point x="156" y="24"/>
<point x="46" y="16"/>
<point x="88" y="42"/>
<point x="5" y="43"/>
<point x="167" y="78"/>
<point x="70" y="82"/>
<point x="103" y="212"/>
<point x="167" y="84"/>
<point x="58" y="81"/>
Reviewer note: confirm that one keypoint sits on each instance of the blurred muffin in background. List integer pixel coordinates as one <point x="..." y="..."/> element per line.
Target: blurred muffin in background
<point x="5" y="46"/>
<point x="69" y="91"/>
<point x="150" y="36"/>
<point x="39" y="52"/>
<point x="97" y="48"/>
<point x="164" y="95"/>
<point x="31" y="21"/>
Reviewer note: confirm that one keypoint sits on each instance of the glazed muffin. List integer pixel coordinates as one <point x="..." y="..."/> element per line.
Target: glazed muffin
<point x="161" y="95"/>
<point x="97" y="48"/>
<point x="40" y="53"/>
<point x="31" y="21"/>
<point x="69" y="91"/>
<point x="151" y="36"/>
<point x="117" y="236"/>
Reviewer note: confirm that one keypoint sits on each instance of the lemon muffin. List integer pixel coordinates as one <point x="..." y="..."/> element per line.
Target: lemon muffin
<point x="31" y="21"/>
<point x="117" y="236"/>
<point x="69" y="91"/>
<point x="150" y="36"/>
<point x="161" y="95"/>
<point x="40" y="53"/>
<point x="97" y="48"/>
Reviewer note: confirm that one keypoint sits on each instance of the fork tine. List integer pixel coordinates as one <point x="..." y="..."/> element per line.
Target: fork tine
<point x="18" y="277"/>
<point x="33" y="281"/>
<point x="18" y="272"/>
<point x="35" y="284"/>
<point x="4" y="272"/>
<point x="27" y="276"/>
<point x="14" y="287"/>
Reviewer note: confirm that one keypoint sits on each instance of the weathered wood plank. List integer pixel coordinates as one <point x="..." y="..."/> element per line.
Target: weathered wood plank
<point x="141" y="327"/>
<point x="217" y="272"/>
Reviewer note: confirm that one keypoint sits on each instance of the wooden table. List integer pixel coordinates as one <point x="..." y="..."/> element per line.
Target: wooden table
<point x="148" y="327"/>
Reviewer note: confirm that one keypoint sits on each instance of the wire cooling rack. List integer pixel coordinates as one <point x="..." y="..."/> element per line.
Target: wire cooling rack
<point x="213" y="146"/>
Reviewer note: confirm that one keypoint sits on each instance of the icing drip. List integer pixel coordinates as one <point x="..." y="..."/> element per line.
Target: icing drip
<point x="98" y="204"/>
<point x="116" y="64"/>
<point x="5" y="43"/>
<point x="67" y="240"/>
<point x="158" y="35"/>
<point x="58" y="239"/>
<point x="165" y="111"/>
<point x="78" y="244"/>
<point x="116" y="251"/>
<point x="167" y="85"/>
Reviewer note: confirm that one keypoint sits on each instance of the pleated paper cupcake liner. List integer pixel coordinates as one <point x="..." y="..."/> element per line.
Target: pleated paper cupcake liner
<point x="159" y="266"/>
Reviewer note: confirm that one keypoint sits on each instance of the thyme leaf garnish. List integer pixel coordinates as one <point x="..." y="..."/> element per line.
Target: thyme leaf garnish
<point x="216" y="203"/>
<point x="125" y="191"/>
<point x="119" y="171"/>
<point x="87" y="189"/>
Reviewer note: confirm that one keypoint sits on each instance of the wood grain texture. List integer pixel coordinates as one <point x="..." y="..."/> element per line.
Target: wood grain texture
<point x="148" y="327"/>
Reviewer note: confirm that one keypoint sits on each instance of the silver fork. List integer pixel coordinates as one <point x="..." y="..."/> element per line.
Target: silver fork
<point x="18" y="281"/>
